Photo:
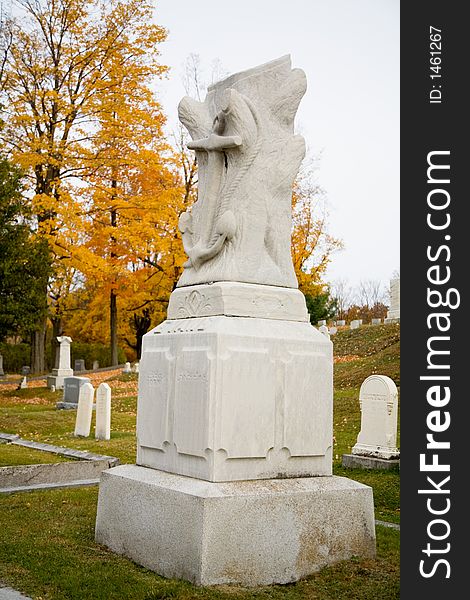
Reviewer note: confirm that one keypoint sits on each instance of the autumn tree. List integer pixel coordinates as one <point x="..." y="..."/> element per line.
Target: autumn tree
<point x="312" y="245"/>
<point x="68" y="61"/>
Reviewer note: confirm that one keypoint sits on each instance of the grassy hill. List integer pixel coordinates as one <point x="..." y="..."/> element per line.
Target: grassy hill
<point x="365" y="351"/>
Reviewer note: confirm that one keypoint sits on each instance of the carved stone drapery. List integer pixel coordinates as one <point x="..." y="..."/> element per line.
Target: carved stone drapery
<point x="248" y="156"/>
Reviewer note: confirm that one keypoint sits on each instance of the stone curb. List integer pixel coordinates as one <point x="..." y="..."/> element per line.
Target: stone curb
<point x="49" y="486"/>
<point x="84" y="470"/>
<point x="388" y="524"/>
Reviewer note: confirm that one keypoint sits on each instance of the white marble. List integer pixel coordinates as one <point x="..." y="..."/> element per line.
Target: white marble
<point x="225" y="398"/>
<point x="355" y="324"/>
<point x="324" y="330"/>
<point x="376" y="321"/>
<point x="333" y="330"/>
<point x="245" y="532"/>
<point x="84" y="410"/>
<point x="136" y="367"/>
<point x="378" y="399"/>
<point x="238" y="300"/>
<point x="23" y="383"/>
<point x="341" y="323"/>
<point x="103" y="412"/>
<point x="63" y="368"/>
<point x="127" y="368"/>
<point x="248" y="157"/>
<point x="234" y="419"/>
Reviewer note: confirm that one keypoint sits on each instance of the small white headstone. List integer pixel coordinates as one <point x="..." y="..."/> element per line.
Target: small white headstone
<point x="322" y="322"/>
<point x="52" y="388"/>
<point x="376" y="321"/>
<point x="332" y="330"/>
<point x="127" y="368"/>
<point x="341" y="323"/>
<point x="324" y="329"/>
<point x="84" y="410"/>
<point x="355" y="324"/>
<point x="136" y="367"/>
<point x="103" y="412"/>
<point x="378" y="399"/>
<point x="96" y="365"/>
<point x="23" y="384"/>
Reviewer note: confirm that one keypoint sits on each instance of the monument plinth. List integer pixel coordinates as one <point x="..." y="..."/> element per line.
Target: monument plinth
<point x="233" y="482"/>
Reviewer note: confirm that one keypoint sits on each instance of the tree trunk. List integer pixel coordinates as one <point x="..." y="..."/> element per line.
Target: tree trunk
<point x="113" y="327"/>
<point x="38" y="345"/>
<point x="56" y="332"/>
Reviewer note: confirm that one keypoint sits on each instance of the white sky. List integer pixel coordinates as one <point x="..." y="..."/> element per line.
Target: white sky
<point x="349" y="50"/>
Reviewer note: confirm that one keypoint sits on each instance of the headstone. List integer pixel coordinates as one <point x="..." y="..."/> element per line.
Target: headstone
<point x="236" y="384"/>
<point x="72" y="387"/>
<point x="376" y="321"/>
<point x="322" y="322"/>
<point x="127" y="368"/>
<point x="25" y="370"/>
<point x="96" y="365"/>
<point x="378" y="399"/>
<point x="23" y="384"/>
<point x="393" y="314"/>
<point x="359" y="321"/>
<point x="103" y="412"/>
<point x="355" y="324"/>
<point x="79" y="364"/>
<point x="341" y="323"/>
<point x="52" y="388"/>
<point x="63" y="367"/>
<point x="324" y="330"/>
<point x="2" y="372"/>
<point x="333" y="330"/>
<point x="136" y="367"/>
<point x="84" y="411"/>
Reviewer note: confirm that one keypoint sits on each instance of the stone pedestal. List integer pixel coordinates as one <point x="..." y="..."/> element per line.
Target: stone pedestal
<point x="233" y="398"/>
<point x="246" y="532"/>
<point x="57" y="378"/>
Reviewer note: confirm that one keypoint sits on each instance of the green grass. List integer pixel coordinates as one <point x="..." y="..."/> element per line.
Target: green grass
<point x="44" y="423"/>
<point x="12" y="455"/>
<point x="47" y="547"/>
<point x="47" y="550"/>
<point x="371" y="349"/>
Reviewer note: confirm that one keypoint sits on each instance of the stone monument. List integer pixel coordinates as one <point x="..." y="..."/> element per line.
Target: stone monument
<point x="233" y="482"/>
<point x="71" y="393"/>
<point x="103" y="412"/>
<point x="84" y="410"/>
<point x="63" y="368"/>
<point x="393" y="314"/>
<point x="376" y="446"/>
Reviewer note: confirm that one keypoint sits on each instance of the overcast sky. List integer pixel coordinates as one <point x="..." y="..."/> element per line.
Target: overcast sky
<point x="349" y="50"/>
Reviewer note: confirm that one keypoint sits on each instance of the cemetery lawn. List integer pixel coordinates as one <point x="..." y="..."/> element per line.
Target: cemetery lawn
<point x="47" y="551"/>
<point x="47" y="547"/>
<point x="11" y="455"/>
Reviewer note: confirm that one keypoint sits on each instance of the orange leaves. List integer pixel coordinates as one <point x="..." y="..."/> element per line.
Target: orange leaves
<point x="311" y="245"/>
